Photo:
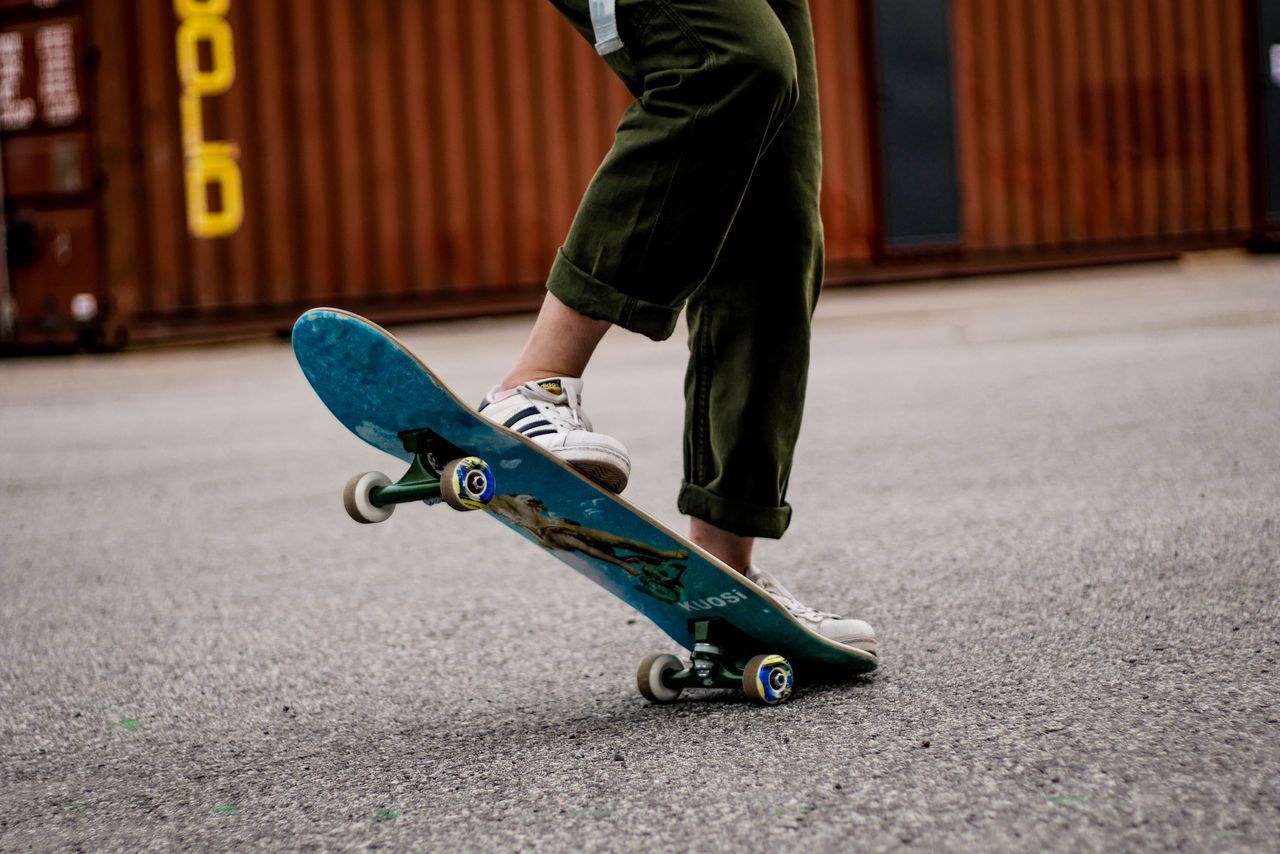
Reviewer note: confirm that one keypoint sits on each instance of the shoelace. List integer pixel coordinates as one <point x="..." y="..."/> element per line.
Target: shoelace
<point x="790" y="602"/>
<point x="573" y="419"/>
<point x="575" y="407"/>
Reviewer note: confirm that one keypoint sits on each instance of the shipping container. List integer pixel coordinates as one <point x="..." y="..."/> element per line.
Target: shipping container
<point x="195" y="167"/>
<point x="1092" y="122"/>
<point x="1267" y="75"/>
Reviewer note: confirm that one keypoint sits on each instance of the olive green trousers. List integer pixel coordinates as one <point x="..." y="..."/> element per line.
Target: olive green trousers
<point x="709" y="200"/>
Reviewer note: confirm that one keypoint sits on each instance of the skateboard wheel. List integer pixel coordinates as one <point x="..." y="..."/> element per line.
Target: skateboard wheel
<point x="650" y="678"/>
<point x="768" y="679"/>
<point x="356" y="498"/>
<point x="467" y="484"/>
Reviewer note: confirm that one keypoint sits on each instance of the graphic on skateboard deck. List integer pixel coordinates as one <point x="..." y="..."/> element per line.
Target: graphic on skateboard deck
<point x="738" y="636"/>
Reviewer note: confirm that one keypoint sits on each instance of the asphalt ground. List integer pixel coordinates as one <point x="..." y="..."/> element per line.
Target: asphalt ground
<point x="1056" y="497"/>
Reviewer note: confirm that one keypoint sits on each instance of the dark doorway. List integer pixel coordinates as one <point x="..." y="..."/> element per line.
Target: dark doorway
<point x="917" y="124"/>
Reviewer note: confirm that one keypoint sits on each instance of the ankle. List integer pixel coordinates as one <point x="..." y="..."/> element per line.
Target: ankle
<point x="520" y="376"/>
<point x="730" y="548"/>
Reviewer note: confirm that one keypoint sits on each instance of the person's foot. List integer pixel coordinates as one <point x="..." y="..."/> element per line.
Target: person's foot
<point x="849" y="632"/>
<point x="549" y="413"/>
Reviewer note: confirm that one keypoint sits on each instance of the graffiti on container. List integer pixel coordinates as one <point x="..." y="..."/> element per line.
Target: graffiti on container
<point x="59" y="101"/>
<point x="210" y="165"/>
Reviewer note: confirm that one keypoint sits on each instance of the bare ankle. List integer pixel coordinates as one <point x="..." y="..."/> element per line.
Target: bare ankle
<point x="520" y="375"/>
<point x="560" y="344"/>
<point x="728" y="547"/>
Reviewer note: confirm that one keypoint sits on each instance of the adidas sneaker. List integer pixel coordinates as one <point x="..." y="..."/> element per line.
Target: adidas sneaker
<point x="549" y="412"/>
<point x="833" y="627"/>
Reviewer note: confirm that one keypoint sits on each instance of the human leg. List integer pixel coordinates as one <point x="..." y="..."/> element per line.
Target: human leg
<point x="749" y="325"/>
<point x="749" y="351"/>
<point x="751" y="293"/>
<point x="714" y="81"/>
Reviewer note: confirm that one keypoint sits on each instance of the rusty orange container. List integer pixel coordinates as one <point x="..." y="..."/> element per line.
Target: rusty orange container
<point x="186" y="167"/>
<point x="1091" y="124"/>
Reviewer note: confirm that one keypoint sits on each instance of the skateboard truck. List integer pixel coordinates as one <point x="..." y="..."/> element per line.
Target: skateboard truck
<point x="766" y="679"/>
<point x="462" y="482"/>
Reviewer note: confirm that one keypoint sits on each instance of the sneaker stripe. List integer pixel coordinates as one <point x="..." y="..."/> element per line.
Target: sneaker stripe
<point x="524" y="413"/>
<point x="539" y="433"/>
<point x="533" y="425"/>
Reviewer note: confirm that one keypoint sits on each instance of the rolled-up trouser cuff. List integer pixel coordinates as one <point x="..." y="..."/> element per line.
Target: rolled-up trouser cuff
<point x="736" y="517"/>
<point x="587" y="295"/>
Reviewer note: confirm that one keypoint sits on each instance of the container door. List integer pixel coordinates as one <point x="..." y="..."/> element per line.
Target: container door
<point x="51" y="289"/>
<point x="1269" y="27"/>
<point x="917" y="125"/>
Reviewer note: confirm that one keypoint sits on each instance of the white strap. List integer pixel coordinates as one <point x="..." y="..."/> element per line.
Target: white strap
<point x="604" y="21"/>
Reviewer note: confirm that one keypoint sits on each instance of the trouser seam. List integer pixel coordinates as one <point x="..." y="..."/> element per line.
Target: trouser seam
<point x="646" y="17"/>
<point x="702" y="394"/>
<point x="679" y="20"/>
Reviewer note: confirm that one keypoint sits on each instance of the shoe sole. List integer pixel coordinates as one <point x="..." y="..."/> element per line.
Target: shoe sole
<point x="605" y="466"/>
<point x="862" y="644"/>
<point x="608" y="475"/>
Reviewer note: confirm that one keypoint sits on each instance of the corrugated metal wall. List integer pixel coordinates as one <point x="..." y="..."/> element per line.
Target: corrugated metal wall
<point x="841" y="32"/>
<point x="424" y="157"/>
<point x="387" y="149"/>
<point x="393" y="149"/>
<point x="1093" y="122"/>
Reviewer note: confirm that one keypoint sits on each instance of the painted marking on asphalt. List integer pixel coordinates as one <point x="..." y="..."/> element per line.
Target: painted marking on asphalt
<point x="1061" y="800"/>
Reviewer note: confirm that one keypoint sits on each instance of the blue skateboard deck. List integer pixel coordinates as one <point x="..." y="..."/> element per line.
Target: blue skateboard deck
<point x="380" y="390"/>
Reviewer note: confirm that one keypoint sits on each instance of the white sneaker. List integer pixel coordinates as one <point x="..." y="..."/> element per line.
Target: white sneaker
<point x="854" y="633"/>
<point x="549" y="412"/>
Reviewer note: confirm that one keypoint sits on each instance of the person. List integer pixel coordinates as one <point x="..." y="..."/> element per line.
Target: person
<point x="707" y="201"/>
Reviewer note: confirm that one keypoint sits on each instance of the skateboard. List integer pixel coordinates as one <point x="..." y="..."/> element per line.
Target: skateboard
<point x="736" y="634"/>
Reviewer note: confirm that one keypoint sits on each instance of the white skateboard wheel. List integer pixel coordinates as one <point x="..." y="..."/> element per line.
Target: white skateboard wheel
<point x="357" y="501"/>
<point x="649" y="678"/>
